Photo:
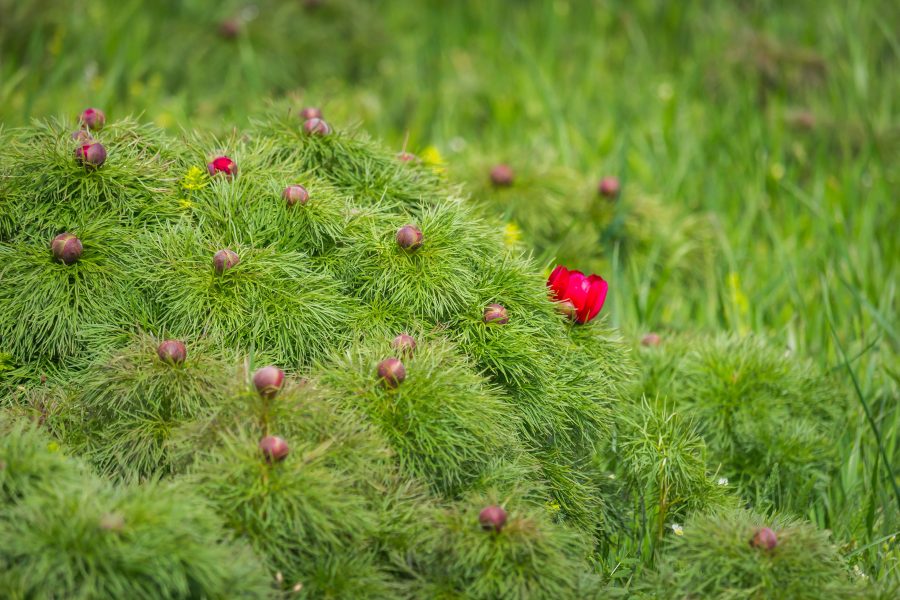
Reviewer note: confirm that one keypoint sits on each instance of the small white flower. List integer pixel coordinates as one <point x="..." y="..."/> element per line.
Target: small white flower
<point x="677" y="529"/>
<point x="723" y="481"/>
<point x="859" y="572"/>
<point x="457" y="144"/>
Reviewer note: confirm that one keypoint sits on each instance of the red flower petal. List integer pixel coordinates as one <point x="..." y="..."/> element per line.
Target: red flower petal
<point x="577" y="289"/>
<point x="557" y="281"/>
<point x="596" y="298"/>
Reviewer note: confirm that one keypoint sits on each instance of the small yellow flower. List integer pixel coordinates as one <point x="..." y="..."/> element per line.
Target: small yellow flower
<point x="677" y="529"/>
<point x="165" y="119"/>
<point x="777" y="171"/>
<point x="194" y="179"/>
<point x="739" y="300"/>
<point x="53" y="447"/>
<point x="185" y="203"/>
<point x="431" y="156"/>
<point x="553" y="506"/>
<point x="512" y="235"/>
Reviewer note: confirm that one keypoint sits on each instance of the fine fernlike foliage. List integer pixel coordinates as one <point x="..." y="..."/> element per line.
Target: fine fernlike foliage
<point x="530" y="557"/>
<point x="65" y="533"/>
<point x="768" y="418"/>
<point x="214" y="340"/>
<point x="128" y="404"/>
<point x="716" y="557"/>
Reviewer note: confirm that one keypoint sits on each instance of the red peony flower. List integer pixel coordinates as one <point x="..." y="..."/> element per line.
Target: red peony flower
<point x="586" y="294"/>
<point x="222" y="164"/>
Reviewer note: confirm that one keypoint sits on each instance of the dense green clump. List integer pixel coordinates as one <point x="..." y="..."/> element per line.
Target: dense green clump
<point x="65" y="533"/>
<point x="221" y="334"/>
<point x="740" y="554"/>
<point x="767" y="417"/>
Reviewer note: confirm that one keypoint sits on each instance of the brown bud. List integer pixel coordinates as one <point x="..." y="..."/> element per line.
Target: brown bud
<point x="391" y="372"/>
<point x="609" y="187"/>
<point x="224" y="260"/>
<point x="268" y="381"/>
<point x="568" y="308"/>
<point x="316" y="126"/>
<point x="112" y="522"/>
<point x="229" y="28"/>
<point x="294" y="194"/>
<point x="274" y="448"/>
<point x="404" y="344"/>
<point x="172" y="352"/>
<point x="492" y="518"/>
<point x="310" y="112"/>
<point x="496" y="313"/>
<point x="91" y="155"/>
<point x="66" y="248"/>
<point x="82" y="137"/>
<point x="409" y="237"/>
<point x="764" y="539"/>
<point x="502" y="176"/>
<point x="651" y="339"/>
<point x="93" y="119"/>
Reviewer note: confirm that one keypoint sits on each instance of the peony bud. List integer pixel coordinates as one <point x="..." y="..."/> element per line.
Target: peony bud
<point x="409" y="237"/>
<point x="93" y="119"/>
<point x="268" y="381"/>
<point x="651" y="339"/>
<point x="82" y="137"/>
<point x="310" y="112"/>
<point x="502" y="176"/>
<point x="91" y="155"/>
<point x="229" y="28"/>
<point x="112" y="522"/>
<point x="224" y="165"/>
<point x="274" y="448"/>
<point x="609" y="187"/>
<point x="764" y="539"/>
<point x="492" y="518"/>
<point x="224" y="260"/>
<point x="392" y="372"/>
<point x="172" y="352"/>
<point x="567" y="308"/>
<point x="404" y="344"/>
<point x="293" y="194"/>
<point x="316" y="126"/>
<point x="496" y="313"/>
<point x="66" y="248"/>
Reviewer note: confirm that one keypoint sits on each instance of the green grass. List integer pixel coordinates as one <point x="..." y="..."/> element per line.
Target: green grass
<point x="698" y="104"/>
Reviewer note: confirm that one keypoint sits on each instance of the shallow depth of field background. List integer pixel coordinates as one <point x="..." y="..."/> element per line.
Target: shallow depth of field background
<point x="778" y="120"/>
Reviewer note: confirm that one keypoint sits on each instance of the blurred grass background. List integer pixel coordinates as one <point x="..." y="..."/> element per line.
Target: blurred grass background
<point x="767" y="132"/>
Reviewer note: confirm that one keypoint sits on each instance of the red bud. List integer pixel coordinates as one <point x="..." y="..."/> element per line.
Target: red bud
<point x="93" y="119"/>
<point x="293" y="194"/>
<point x="404" y="344"/>
<point x="502" y="176"/>
<point x="274" y="448"/>
<point x="409" y="237"/>
<point x="172" y="352"/>
<point x="496" y="313"/>
<point x="392" y="372"/>
<point x="268" y="381"/>
<point x="310" y="112"/>
<point x="223" y="165"/>
<point x="609" y="187"/>
<point x="91" y="155"/>
<point x="492" y="518"/>
<point x="66" y="248"/>
<point x="224" y="260"/>
<point x="764" y="539"/>
<point x="316" y="126"/>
